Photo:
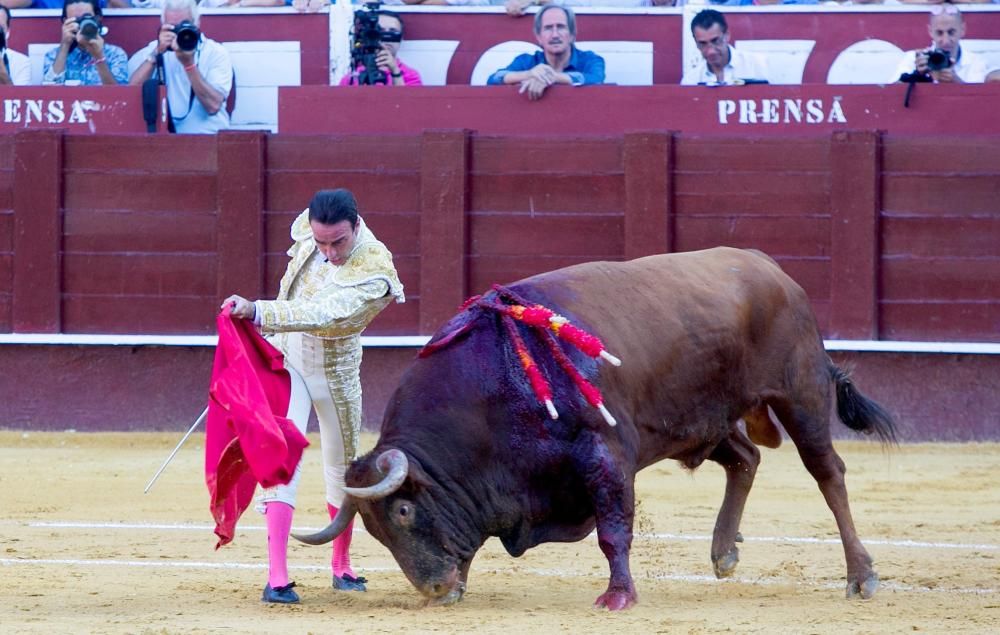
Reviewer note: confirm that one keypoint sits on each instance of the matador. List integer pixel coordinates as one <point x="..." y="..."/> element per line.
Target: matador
<point x="339" y="278"/>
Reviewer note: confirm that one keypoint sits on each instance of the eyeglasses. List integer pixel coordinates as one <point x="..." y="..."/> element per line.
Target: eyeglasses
<point x="944" y="9"/>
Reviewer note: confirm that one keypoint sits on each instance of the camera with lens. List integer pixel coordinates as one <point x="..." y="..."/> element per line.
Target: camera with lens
<point x="188" y="35"/>
<point x="368" y="39"/>
<point x="90" y="27"/>
<point x="938" y="60"/>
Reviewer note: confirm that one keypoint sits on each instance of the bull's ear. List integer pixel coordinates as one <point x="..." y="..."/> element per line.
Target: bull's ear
<point x="416" y="475"/>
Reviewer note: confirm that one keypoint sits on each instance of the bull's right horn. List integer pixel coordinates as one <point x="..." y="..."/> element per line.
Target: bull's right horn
<point x="334" y="529"/>
<point x="394" y="465"/>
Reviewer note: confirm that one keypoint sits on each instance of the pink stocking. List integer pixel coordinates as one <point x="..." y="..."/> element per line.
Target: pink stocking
<point x="279" y="525"/>
<point x="341" y="560"/>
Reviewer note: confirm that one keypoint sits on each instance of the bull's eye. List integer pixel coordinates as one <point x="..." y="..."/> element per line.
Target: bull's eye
<point x="403" y="512"/>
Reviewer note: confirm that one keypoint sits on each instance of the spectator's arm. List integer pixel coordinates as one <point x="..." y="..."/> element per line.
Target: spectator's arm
<point x="5" y="79"/>
<point x="515" y="73"/>
<point x="116" y="64"/>
<point x="16" y="4"/>
<point x="591" y="70"/>
<point x="115" y="4"/>
<point x="257" y="3"/>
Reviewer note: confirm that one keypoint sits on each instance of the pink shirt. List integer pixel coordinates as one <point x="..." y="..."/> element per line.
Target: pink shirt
<point x="410" y="76"/>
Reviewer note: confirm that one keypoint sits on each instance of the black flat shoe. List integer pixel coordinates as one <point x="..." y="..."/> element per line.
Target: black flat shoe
<point x="280" y="595"/>
<point x="347" y="582"/>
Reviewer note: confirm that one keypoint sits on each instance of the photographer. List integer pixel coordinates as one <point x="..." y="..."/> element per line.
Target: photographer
<point x="82" y="58"/>
<point x="196" y="70"/>
<point x="14" y="67"/>
<point x="377" y="36"/>
<point x="945" y="61"/>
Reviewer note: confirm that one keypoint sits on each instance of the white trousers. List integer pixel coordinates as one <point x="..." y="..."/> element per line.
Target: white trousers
<point x="310" y="390"/>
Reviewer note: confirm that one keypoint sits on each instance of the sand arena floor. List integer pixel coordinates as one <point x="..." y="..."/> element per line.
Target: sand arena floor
<point x="82" y="549"/>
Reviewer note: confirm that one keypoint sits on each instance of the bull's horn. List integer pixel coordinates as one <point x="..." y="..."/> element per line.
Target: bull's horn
<point x="394" y="465"/>
<point x="334" y="529"/>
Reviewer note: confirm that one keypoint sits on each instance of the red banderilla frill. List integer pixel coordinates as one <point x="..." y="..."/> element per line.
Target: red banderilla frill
<point x="549" y="325"/>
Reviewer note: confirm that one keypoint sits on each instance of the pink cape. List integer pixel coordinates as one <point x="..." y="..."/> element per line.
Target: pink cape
<point x="248" y="438"/>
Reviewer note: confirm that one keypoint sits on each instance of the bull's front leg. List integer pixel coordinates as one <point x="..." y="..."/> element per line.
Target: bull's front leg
<point x="612" y="492"/>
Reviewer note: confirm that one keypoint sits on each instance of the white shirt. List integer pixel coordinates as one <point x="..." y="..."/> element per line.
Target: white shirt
<point x="970" y="68"/>
<point x="189" y="116"/>
<point x="20" y="68"/>
<point x="741" y="66"/>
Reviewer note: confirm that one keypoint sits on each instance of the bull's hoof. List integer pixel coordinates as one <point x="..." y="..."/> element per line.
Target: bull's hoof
<point x="725" y="565"/>
<point x="865" y="590"/>
<point x="616" y="600"/>
<point x="449" y="598"/>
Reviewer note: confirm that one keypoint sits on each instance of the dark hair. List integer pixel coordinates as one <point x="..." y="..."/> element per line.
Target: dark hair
<point x="332" y="206"/>
<point x="570" y="17"/>
<point x="7" y="11"/>
<point x="399" y="18"/>
<point x="706" y="18"/>
<point x="96" y="4"/>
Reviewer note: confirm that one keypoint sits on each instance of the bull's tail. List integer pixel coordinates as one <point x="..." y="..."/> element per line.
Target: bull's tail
<point x="859" y="412"/>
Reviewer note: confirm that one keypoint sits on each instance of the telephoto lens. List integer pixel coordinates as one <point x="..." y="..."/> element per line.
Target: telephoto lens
<point x="187" y="36"/>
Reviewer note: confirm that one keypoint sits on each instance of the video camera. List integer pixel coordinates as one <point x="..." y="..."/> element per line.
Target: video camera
<point x="368" y="39"/>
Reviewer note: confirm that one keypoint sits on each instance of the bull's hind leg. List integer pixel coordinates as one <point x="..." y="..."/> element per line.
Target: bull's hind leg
<point x="809" y="429"/>
<point x="740" y="458"/>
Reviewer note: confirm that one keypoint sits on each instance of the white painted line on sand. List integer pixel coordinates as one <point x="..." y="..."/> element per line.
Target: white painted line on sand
<point x="515" y="570"/>
<point x="913" y="544"/>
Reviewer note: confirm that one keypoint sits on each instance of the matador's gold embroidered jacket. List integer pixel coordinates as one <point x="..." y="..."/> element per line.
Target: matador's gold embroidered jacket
<point x="333" y="304"/>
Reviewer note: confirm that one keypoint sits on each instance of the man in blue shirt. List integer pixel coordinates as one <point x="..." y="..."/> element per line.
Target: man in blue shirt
<point x="559" y="61"/>
<point x="82" y="57"/>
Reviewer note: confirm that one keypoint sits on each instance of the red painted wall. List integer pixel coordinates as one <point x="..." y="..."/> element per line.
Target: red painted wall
<point x="145" y="234"/>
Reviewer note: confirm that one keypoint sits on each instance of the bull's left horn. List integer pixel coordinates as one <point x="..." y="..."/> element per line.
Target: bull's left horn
<point x="336" y="527"/>
<point x="394" y="465"/>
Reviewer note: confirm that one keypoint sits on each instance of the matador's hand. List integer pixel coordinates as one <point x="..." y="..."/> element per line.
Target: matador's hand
<point x="242" y="308"/>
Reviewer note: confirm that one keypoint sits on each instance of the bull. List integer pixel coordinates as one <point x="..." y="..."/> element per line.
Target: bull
<point x="708" y="339"/>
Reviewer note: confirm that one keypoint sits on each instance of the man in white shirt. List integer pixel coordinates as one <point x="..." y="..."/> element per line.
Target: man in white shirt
<point x="720" y="62"/>
<point x="196" y="69"/>
<point x="14" y="67"/>
<point x="945" y="61"/>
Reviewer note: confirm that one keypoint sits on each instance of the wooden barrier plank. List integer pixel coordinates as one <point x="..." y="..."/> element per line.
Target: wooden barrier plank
<point x="590" y="236"/>
<point x="945" y="194"/>
<point x="940" y="321"/>
<point x="444" y="238"/>
<point x="855" y="170"/>
<point x="376" y="192"/>
<point x="141" y="274"/>
<point x="179" y="192"/>
<point x="940" y="279"/>
<point x="484" y="270"/>
<point x="385" y="154"/>
<point x="755" y="154"/>
<point x="791" y="193"/>
<point x="140" y="154"/>
<point x="38" y="186"/>
<point x="649" y="197"/>
<point x="929" y="237"/>
<point x="775" y="235"/>
<point x="540" y="193"/>
<point x="556" y="155"/>
<point x="110" y="231"/>
<point x="239" y="227"/>
<point x="188" y="315"/>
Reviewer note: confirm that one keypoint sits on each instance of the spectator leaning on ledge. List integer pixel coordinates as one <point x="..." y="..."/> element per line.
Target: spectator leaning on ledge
<point x="396" y="72"/>
<point x="946" y="28"/>
<point x="15" y="68"/>
<point x="720" y="62"/>
<point x="196" y="69"/>
<point x="82" y="58"/>
<point x="559" y="61"/>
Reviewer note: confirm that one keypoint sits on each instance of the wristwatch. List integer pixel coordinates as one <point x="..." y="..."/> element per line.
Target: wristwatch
<point x="399" y="74"/>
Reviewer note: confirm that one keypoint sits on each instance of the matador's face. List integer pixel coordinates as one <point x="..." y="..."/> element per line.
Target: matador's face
<point x="336" y="241"/>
